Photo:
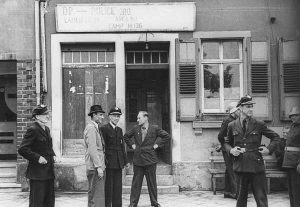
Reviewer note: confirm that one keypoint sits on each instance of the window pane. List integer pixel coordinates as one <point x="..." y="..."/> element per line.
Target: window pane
<point x="231" y="83"/>
<point x="93" y="57"/>
<point x="68" y="57"/>
<point x="187" y="52"/>
<point x="110" y="57"/>
<point x="101" y="57"/>
<point x="76" y="57"/>
<point x="130" y="57"/>
<point x="164" y="57"/>
<point x="138" y="57"/>
<point x="147" y="57"/>
<point x="210" y="50"/>
<point x="231" y="50"/>
<point x="211" y="86"/>
<point x="155" y="57"/>
<point x="84" y="57"/>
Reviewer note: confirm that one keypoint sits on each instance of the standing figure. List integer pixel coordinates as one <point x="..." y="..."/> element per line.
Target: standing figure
<point x="94" y="158"/>
<point x="230" y="179"/>
<point x="36" y="147"/>
<point x="116" y="158"/>
<point x="144" y="139"/>
<point x="246" y="133"/>
<point x="291" y="160"/>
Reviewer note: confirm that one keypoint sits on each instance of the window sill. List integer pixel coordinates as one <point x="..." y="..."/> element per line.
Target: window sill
<point x="199" y="125"/>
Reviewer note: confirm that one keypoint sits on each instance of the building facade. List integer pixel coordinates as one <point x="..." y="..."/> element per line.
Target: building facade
<point x="183" y="62"/>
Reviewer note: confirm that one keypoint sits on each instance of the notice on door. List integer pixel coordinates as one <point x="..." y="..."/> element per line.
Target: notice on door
<point x="126" y="17"/>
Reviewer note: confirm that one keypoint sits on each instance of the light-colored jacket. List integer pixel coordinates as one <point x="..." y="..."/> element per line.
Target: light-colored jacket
<point x="94" y="154"/>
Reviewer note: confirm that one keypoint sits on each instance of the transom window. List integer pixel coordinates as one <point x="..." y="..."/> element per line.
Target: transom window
<point x="88" y="57"/>
<point x="221" y="74"/>
<point x="147" y="57"/>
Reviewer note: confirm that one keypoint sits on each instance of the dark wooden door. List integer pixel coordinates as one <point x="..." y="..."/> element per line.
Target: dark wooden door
<point x="82" y="88"/>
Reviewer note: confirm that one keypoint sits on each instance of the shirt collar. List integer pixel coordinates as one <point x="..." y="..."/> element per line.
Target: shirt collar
<point x="112" y="125"/>
<point x="146" y="126"/>
<point x="96" y="125"/>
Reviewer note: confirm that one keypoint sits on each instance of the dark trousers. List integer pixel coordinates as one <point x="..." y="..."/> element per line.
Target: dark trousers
<point x="294" y="187"/>
<point x="230" y="177"/>
<point x="258" y="185"/>
<point x="41" y="193"/>
<point x="150" y="172"/>
<point x="113" y="188"/>
<point x="96" y="194"/>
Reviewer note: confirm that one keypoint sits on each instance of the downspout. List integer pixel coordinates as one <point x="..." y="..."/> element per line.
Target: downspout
<point x="43" y="45"/>
<point x="37" y="51"/>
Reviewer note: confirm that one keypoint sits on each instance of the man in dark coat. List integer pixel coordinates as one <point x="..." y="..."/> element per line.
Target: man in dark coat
<point x="291" y="160"/>
<point x="145" y="139"/>
<point x="230" y="180"/>
<point x="116" y="158"/>
<point x="246" y="133"/>
<point x="36" y="147"/>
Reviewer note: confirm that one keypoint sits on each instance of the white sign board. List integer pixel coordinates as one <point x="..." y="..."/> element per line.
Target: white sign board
<point x="125" y="17"/>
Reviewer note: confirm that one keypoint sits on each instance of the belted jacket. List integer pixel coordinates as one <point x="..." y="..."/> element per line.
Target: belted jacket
<point x="251" y="160"/>
<point x="292" y="157"/>
<point x="223" y="131"/>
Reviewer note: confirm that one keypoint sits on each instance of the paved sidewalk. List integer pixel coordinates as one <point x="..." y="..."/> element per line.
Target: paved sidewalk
<point x="184" y="199"/>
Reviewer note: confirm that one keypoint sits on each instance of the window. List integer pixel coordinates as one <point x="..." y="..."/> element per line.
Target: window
<point x="221" y="75"/>
<point x="88" y="57"/>
<point x="147" y="57"/>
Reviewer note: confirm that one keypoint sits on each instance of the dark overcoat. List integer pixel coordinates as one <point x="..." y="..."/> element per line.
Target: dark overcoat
<point x="115" y="154"/>
<point x="38" y="142"/>
<point x="250" y="161"/>
<point x="292" y="158"/>
<point x="144" y="154"/>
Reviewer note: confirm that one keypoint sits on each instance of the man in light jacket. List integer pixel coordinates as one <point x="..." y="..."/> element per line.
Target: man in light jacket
<point x="94" y="158"/>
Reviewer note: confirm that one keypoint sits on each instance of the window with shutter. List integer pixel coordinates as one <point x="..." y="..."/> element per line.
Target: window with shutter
<point x="289" y="59"/>
<point x="186" y="73"/>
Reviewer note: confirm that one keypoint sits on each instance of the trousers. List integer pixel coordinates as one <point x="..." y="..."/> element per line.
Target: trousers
<point x="294" y="187"/>
<point x="230" y="177"/>
<point x="96" y="194"/>
<point x="41" y="193"/>
<point x="113" y="188"/>
<point x="138" y="175"/>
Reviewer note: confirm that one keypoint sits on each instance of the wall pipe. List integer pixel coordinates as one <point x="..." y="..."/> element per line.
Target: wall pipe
<point x="43" y="45"/>
<point x="37" y="51"/>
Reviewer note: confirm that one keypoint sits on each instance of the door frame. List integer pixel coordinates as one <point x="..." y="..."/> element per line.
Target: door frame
<point x="119" y="39"/>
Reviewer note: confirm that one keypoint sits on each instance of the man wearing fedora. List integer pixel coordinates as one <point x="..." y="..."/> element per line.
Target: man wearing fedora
<point x="291" y="160"/>
<point x="95" y="158"/>
<point x="230" y="180"/>
<point x="246" y="133"/>
<point x="116" y="158"/>
<point x="36" y="147"/>
<point x="144" y="139"/>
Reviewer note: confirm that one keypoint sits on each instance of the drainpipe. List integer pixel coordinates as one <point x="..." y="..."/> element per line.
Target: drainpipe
<point x="37" y="51"/>
<point x="43" y="45"/>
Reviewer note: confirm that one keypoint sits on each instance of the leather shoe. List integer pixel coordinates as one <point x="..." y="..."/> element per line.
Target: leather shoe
<point x="157" y="205"/>
<point x="229" y="195"/>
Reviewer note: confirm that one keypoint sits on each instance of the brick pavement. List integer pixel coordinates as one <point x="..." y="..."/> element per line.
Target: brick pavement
<point x="183" y="199"/>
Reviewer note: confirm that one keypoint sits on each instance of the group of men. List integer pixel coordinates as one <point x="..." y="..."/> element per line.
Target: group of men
<point x="240" y="137"/>
<point x="105" y="157"/>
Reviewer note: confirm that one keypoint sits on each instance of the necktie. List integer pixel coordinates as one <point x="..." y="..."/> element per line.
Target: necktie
<point x="244" y="125"/>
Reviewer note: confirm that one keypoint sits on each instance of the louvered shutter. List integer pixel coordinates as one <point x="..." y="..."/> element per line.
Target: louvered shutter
<point x="289" y="63"/>
<point x="259" y="77"/>
<point x="187" y="81"/>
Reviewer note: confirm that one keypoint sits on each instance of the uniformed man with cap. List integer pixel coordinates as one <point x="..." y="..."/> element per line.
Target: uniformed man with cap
<point x="116" y="158"/>
<point x="291" y="160"/>
<point x="36" y="147"/>
<point x="230" y="180"/>
<point x="246" y="133"/>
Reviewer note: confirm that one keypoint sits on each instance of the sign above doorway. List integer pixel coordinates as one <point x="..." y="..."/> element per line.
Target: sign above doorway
<point x="129" y="17"/>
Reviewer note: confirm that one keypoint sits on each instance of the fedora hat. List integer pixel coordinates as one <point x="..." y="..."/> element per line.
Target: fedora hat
<point x="246" y="100"/>
<point x="95" y="109"/>
<point x="115" y="111"/>
<point x="40" y="110"/>
<point x="295" y="110"/>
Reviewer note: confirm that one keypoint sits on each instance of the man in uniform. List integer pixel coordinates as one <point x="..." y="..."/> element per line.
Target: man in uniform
<point x="246" y="133"/>
<point x="116" y="158"/>
<point x="230" y="180"/>
<point x="291" y="160"/>
<point x="145" y="139"/>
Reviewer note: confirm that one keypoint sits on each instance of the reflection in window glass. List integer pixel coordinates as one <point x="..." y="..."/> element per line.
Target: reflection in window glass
<point x="93" y="57"/>
<point x="211" y="50"/>
<point x="155" y="57"/>
<point x="130" y="57"/>
<point x="138" y="57"/>
<point x="76" y="57"/>
<point x="84" y="57"/>
<point x="211" y="86"/>
<point x="231" y="50"/>
<point x="231" y="81"/>
<point x="147" y="57"/>
<point x="68" y="57"/>
<point x="110" y="57"/>
<point x="164" y="57"/>
<point x="101" y="57"/>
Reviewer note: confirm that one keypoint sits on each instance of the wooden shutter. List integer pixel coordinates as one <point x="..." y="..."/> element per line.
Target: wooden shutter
<point x="187" y="71"/>
<point x="289" y="63"/>
<point x="260" y="77"/>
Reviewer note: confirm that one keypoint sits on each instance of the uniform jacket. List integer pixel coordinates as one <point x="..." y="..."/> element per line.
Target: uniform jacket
<point x="115" y="153"/>
<point x="144" y="154"/>
<point x="251" y="161"/>
<point x="223" y="131"/>
<point x="94" y="152"/>
<point x="38" y="142"/>
<point x="291" y="158"/>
